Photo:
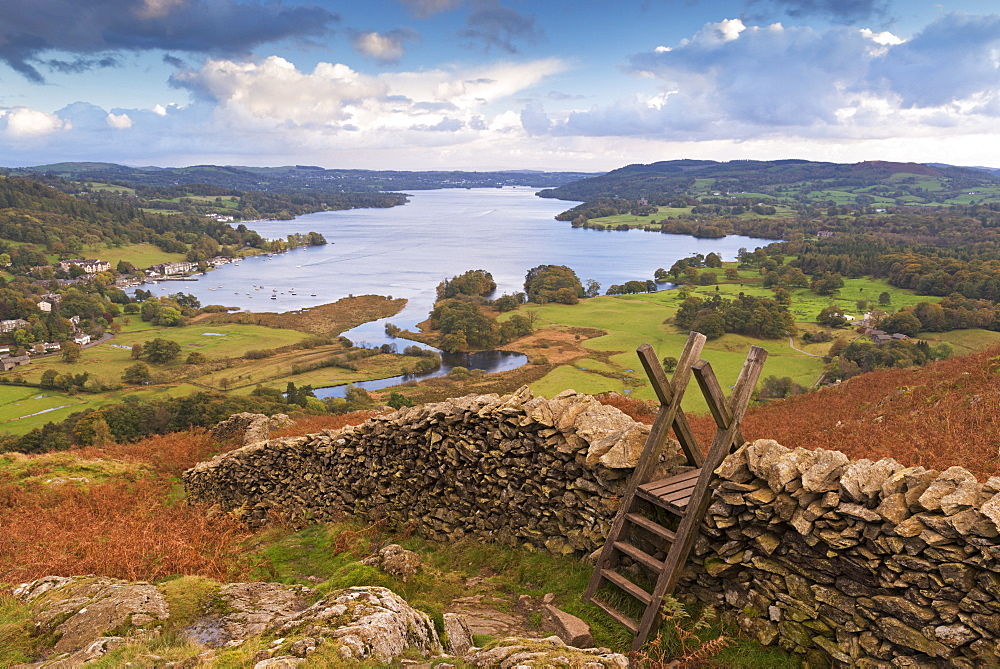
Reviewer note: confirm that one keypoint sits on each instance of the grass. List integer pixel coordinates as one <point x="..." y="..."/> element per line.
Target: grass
<point x="223" y="339"/>
<point x="140" y="255"/>
<point x="108" y="361"/>
<point x="609" y="363"/>
<point x="61" y="467"/>
<point x="631" y="320"/>
<point x="17" y="402"/>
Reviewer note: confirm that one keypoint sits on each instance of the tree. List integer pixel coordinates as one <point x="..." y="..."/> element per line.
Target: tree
<point x="473" y="282"/>
<point x="832" y="316"/>
<point x="903" y="322"/>
<point x="161" y="350"/>
<point x="828" y="284"/>
<point x="712" y="325"/>
<point x="137" y="374"/>
<point x="713" y="260"/>
<point x="70" y="351"/>
<point x="884" y="299"/>
<point x="136" y="351"/>
<point x="553" y="283"/>
<point x="932" y="317"/>
<point x="49" y="379"/>
<point x="398" y="400"/>
<point x="168" y="317"/>
<point x="669" y="364"/>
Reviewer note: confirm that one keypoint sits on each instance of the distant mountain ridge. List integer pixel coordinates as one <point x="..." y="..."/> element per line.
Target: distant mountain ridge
<point x="774" y="177"/>
<point x="302" y="178"/>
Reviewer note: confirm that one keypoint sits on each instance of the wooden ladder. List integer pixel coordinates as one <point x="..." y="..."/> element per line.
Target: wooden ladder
<point x="685" y="496"/>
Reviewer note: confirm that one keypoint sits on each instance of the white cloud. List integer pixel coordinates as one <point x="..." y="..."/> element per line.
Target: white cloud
<point x="334" y="97"/>
<point x="732" y="80"/>
<point x="383" y="47"/>
<point x="119" y="121"/>
<point x="23" y="122"/>
<point x="884" y="38"/>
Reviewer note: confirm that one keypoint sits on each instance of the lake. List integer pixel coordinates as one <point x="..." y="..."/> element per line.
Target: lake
<point x="406" y="251"/>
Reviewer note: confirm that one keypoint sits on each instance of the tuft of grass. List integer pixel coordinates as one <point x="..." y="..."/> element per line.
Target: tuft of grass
<point x="187" y="597"/>
<point x="17" y="643"/>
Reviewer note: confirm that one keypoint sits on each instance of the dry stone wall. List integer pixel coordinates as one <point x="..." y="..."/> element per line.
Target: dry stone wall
<point x="870" y="563"/>
<point x="517" y="469"/>
<point x="875" y="563"/>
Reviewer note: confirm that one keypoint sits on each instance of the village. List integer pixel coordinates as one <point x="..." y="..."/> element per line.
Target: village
<point x="22" y="346"/>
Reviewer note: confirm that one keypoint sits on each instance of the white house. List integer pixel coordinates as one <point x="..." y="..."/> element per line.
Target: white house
<point x="90" y="266"/>
<point x="12" y="324"/>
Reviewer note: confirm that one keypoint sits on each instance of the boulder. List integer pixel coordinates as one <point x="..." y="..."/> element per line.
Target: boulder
<point x="568" y="627"/>
<point x="365" y="622"/>
<point x="552" y="651"/>
<point x="459" y="636"/>
<point x="395" y="560"/>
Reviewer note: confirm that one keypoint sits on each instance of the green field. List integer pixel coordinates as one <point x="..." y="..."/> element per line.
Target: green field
<point x="106" y="362"/>
<point x="140" y="255"/>
<point x="631" y="320"/>
<point x="25" y="408"/>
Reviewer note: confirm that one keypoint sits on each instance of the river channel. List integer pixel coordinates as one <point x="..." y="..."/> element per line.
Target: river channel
<point x="406" y="251"/>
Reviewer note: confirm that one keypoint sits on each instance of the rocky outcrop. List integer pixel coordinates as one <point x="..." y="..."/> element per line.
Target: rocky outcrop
<point x="871" y="562"/>
<point x="249" y="428"/>
<point x="548" y="652"/>
<point x="364" y="622"/>
<point x="242" y="610"/>
<point x="519" y="469"/>
<point x="350" y="624"/>
<point x="80" y="611"/>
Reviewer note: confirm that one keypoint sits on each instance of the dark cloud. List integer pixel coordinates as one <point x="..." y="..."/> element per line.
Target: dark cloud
<point x="841" y="11"/>
<point x="493" y="25"/>
<point x="424" y="9"/>
<point x="80" y="64"/>
<point x="88" y="29"/>
<point x="173" y="61"/>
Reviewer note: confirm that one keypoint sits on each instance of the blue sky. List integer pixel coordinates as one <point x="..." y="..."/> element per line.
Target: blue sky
<point x="497" y="84"/>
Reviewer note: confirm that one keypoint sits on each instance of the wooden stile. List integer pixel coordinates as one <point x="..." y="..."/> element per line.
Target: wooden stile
<point x="685" y="495"/>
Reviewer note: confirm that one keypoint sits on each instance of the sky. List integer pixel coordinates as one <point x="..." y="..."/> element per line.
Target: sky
<point x="581" y="85"/>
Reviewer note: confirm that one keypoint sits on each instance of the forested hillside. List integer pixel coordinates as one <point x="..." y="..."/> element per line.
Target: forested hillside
<point x="798" y="180"/>
<point x="34" y="213"/>
<point x="298" y="178"/>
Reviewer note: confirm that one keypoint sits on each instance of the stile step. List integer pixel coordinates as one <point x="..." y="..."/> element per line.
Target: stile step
<point x="627" y="585"/>
<point x="645" y="559"/>
<point x="650" y="526"/>
<point x="617" y="615"/>
<point x="678" y="508"/>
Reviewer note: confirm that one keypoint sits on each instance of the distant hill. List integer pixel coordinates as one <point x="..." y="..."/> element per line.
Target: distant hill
<point x="798" y="180"/>
<point x="296" y="178"/>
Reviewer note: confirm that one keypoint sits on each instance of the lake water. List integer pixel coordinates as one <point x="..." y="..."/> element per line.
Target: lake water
<point x="406" y="251"/>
